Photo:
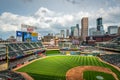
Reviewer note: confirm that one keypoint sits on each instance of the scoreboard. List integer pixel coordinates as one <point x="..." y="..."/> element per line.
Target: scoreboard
<point x="27" y="36"/>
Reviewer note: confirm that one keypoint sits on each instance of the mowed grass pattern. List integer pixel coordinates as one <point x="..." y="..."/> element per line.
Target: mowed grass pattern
<point x="55" y="67"/>
<point x="52" y="52"/>
<point x="92" y="75"/>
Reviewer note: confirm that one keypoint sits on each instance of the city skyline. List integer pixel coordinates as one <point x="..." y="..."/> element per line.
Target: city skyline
<point x="49" y="16"/>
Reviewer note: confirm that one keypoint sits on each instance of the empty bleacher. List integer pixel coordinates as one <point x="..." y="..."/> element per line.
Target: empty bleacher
<point x="113" y="45"/>
<point x="19" y="53"/>
<point x="10" y="75"/>
<point x="112" y="58"/>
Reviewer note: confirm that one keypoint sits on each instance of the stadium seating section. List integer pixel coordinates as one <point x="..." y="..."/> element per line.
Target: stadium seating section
<point x="112" y="58"/>
<point x="20" y="53"/>
<point x="10" y="75"/>
<point x="113" y="44"/>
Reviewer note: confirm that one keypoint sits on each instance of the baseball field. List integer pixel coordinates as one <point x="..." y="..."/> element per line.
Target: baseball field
<point x="62" y="67"/>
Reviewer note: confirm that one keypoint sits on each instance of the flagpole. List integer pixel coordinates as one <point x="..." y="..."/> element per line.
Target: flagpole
<point x="7" y="56"/>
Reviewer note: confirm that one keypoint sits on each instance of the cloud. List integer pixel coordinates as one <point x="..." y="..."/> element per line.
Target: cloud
<point x="26" y="1"/>
<point x="111" y="16"/>
<point x="13" y="21"/>
<point x="117" y="0"/>
<point x="75" y="1"/>
<point x="51" y="21"/>
<point x="42" y="12"/>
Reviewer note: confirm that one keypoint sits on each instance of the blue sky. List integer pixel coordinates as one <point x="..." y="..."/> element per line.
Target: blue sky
<point x="54" y="15"/>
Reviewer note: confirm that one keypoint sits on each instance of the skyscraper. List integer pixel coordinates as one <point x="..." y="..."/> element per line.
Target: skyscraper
<point x="75" y="31"/>
<point x="118" y="30"/>
<point x="62" y="33"/>
<point x="92" y="31"/>
<point x="79" y="32"/>
<point x="77" y="25"/>
<point x="112" y="29"/>
<point x="100" y="26"/>
<point x="67" y="33"/>
<point x="72" y="30"/>
<point x="84" y="29"/>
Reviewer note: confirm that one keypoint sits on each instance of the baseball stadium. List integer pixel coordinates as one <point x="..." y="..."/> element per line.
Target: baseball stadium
<point x="59" y="39"/>
<point x="32" y="59"/>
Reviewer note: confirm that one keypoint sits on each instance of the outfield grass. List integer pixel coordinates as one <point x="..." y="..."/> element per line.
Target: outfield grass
<point x="91" y="75"/>
<point x="55" y="67"/>
<point x="52" y="52"/>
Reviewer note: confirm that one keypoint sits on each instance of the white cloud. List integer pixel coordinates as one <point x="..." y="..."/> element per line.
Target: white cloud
<point x="42" y="12"/>
<point x="47" y="20"/>
<point x="64" y="20"/>
<point x="110" y="16"/>
<point x="8" y="27"/>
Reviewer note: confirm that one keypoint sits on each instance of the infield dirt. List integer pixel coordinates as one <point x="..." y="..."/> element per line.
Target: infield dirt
<point x="77" y="72"/>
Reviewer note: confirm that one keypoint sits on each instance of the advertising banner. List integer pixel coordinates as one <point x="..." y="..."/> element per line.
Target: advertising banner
<point x="34" y="34"/>
<point x="26" y="37"/>
<point x="19" y="33"/>
<point x="30" y="29"/>
<point x="30" y="37"/>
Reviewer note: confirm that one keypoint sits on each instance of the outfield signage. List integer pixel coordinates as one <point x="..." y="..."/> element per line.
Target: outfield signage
<point x="19" y="33"/>
<point x="26" y="36"/>
<point x="28" y="28"/>
<point x="34" y="34"/>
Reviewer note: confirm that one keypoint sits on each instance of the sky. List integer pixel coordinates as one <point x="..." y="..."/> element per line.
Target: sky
<point x="50" y="16"/>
